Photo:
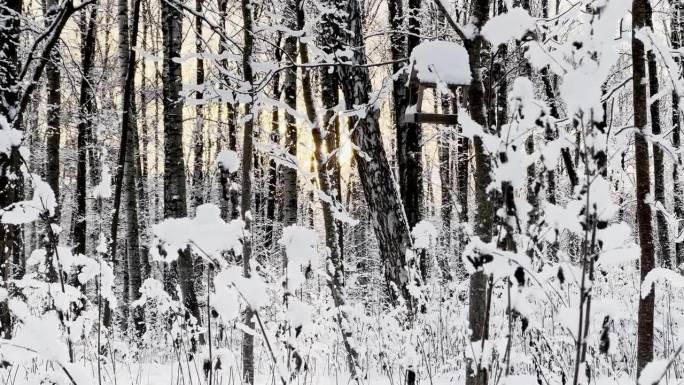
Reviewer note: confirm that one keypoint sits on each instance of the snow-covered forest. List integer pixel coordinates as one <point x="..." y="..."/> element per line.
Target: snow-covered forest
<point x="392" y="192"/>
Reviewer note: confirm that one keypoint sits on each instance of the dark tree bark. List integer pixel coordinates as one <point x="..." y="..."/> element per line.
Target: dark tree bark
<point x="230" y="193"/>
<point x="677" y="22"/>
<point x="198" y="136"/>
<point x="54" y="103"/>
<point x="640" y="15"/>
<point x="274" y="137"/>
<point x="11" y="189"/>
<point x="290" y="95"/>
<point x="446" y="188"/>
<point x="127" y="40"/>
<point x="134" y="265"/>
<point x="175" y="191"/>
<point x="658" y="155"/>
<point x="484" y="217"/>
<point x="329" y="42"/>
<point x="246" y="201"/>
<point x="53" y="134"/>
<point x="335" y="265"/>
<point x="409" y="135"/>
<point x="85" y="123"/>
<point x="384" y="202"/>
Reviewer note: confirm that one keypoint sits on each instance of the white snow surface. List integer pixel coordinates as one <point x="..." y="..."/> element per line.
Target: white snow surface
<point x="228" y="160"/>
<point x="513" y="24"/>
<point x="441" y="62"/>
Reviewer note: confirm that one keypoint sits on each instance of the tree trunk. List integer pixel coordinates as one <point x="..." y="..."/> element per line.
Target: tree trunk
<point x="198" y="135"/>
<point x="446" y="185"/>
<point x="175" y="193"/>
<point x="643" y="187"/>
<point x="11" y="189"/>
<point x="409" y="135"/>
<point x="330" y="43"/>
<point x="85" y="123"/>
<point x="53" y="135"/>
<point x="290" y="95"/>
<point x="335" y="265"/>
<point x="676" y="38"/>
<point x="246" y="201"/>
<point x="384" y="202"/>
<point x="658" y="155"/>
<point x="132" y="228"/>
<point x="484" y="220"/>
<point x="54" y="102"/>
<point x="272" y="181"/>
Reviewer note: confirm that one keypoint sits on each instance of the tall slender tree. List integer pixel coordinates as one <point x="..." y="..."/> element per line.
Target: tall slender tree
<point x="677" y="26"/>
<point x="663" y="231"/>
<point x="85" y="123"/>
<point x="382" y="197"/>
<point x="640" y="15"/>
<point x="484" y="217"/>
<point x="409" y="135"/>
<point x="11" y="188"/>
<point x="175" y="191"/>
<point x="246" y="198"/>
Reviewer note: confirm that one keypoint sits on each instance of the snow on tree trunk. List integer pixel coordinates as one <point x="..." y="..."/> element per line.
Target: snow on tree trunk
<point x="382" y="197"/>
<point x="676" y="38"/>
<point x="246" y="201"/>
<point x="175" y="195"/>
<point x="484" y="217"/>
<point x="11" y="189"/>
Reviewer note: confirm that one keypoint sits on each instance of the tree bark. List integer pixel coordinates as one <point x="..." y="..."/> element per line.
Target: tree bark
<point x="484" y="217"/>
<point x="382" y="197"/>
<point x="274" y="137"/>
<point x="676" y="39"/>
<point x="54" y="102"/>
<point x="335" y="265"/>
<point x="175" y="191"/>
<point x="85" y="123"/>
<point x="246" y="201"/>
<point x="198" y="135"/>
<point x="330" y="43"/>
<point x="290" y="95"/>
<point x="643" y="186"/>
<point x="11" y="189"/>
<point x="409" y="135"/>
<point x="658" y="154"/>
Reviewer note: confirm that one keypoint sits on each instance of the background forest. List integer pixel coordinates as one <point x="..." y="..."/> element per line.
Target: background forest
<point x="341" y="191"/>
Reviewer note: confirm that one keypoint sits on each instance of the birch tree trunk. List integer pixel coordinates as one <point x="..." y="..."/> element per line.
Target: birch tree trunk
<point x="640" y="15"/>
<point x="658" y="154"/>
<point x="382" y="197"/>
<point x="330" y="43"/>
<point x="335" y="265"/>
<point x="676" y="38"/>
